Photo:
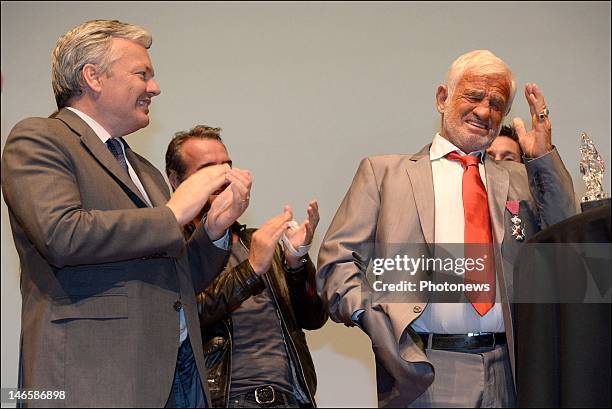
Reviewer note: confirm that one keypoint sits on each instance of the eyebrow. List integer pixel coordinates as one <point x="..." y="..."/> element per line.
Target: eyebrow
<point x="473" y="93"/>
<point x="498" y="98"/>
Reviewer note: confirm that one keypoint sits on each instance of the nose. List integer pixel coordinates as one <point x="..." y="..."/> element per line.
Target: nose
<point x="152" y="88"/>
<point x="497" y="154"/>
<point x="483" y="110"/>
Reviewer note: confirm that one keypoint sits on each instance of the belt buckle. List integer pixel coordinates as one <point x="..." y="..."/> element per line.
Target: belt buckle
<point x="482" y="336"/>
<point x="265" y="394"/>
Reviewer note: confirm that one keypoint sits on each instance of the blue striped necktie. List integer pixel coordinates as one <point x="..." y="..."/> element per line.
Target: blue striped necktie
<point x="115" y="147"/>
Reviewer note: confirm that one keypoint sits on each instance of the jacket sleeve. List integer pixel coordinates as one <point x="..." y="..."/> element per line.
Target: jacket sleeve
<point x="307" y="306"/>
<point x="347" y="248"/>
<point x="206" y="260"/>
<point x="228" y="290"/>
<point x="551" y="187"/>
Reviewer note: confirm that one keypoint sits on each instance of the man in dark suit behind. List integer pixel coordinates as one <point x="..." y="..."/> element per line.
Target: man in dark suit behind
<point x="109" y="312"/>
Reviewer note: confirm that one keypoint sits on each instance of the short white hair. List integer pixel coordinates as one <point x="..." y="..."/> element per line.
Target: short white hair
<point x="480" y="62"/>
<point x="88" y="43"/>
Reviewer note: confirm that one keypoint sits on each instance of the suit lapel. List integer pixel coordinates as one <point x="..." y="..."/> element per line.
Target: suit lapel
<point x="421" y="178"/>
<point x="100" y="152"/>
<point x="498" y="181"/>
<point x="152" y="188"/>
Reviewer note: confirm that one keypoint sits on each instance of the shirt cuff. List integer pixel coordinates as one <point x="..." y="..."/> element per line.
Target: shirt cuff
<point x="355" y="317"/>
<point x="221" y="243"/>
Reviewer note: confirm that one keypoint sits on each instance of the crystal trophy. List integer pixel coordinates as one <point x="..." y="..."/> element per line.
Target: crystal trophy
<point x="592" y="169"/>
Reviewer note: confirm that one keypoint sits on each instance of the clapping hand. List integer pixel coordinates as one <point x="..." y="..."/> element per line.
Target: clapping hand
<point x="189" y="198"/>
<point x="265" y="239"/>
<point x="303" y="234"/>
<point x="230" y="204"/>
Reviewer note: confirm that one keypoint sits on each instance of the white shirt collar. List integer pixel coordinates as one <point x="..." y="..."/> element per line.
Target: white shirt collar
<point x="440" y="147"/>
<point x="97" y="128"/>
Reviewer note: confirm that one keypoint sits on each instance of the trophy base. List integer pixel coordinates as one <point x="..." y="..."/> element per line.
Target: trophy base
<point x="594" y="203"/>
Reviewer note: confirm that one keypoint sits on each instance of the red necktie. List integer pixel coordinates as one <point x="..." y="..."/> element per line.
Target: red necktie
<point x="477" y="236"/>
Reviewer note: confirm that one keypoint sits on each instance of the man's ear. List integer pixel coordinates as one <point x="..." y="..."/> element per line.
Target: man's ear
<point x="174" y="180"/>
<point x="91" y="75"/>
<point x="441" y="96"/>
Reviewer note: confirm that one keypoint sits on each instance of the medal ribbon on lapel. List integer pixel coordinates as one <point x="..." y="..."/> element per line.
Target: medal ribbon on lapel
<point x="518" y="232"/>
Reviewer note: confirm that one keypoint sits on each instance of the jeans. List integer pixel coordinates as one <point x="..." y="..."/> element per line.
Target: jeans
<point x="187" y="389"/>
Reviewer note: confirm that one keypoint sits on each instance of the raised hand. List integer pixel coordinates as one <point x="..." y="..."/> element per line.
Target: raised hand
<point x="303" y="234"/>
<point x="538" y="141"/>
<point x="230" y="204"/>
<point x="191" y="196"/>
<point x="265" y="239"/>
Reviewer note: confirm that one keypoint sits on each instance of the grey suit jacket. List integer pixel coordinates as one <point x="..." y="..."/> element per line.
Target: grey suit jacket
<point x="391" y="200"/>
<point x="100" y="271"/>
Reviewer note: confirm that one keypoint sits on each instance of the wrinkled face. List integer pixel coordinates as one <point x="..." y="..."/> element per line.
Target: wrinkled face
<point x="504" y="148"/>
<point x="127" y="90"/>
<point x="472" y="115"/>
<point x="198" y="153"/>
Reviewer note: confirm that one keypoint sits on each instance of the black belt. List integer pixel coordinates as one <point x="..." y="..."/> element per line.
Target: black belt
<point x="464" y="341"/>
<point x="267" y="395"/>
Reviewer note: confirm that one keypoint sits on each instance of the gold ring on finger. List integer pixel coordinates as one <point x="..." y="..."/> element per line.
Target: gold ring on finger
<point x="543" y="114"/>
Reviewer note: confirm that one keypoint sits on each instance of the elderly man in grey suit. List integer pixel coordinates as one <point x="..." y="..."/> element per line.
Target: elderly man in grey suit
<point x="109" y="311"/>
<point x="441" y="354"/>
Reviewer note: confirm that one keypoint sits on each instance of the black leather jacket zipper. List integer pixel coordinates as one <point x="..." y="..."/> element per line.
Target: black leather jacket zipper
<point x="292" y="345"/>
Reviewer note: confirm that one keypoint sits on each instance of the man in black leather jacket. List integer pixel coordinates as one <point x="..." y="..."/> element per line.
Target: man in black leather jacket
<point x="253" y="313"/>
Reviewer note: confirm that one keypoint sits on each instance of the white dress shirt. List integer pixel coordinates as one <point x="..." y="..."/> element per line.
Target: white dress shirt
<point x="449" y="225"/>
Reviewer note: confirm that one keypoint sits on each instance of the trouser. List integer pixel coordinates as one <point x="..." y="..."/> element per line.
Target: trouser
<point x="469" y="379"/>
<point x="186" y="389"/>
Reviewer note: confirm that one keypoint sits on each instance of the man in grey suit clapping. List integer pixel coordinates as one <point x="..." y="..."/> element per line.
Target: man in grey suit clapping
<point x="107" y="280"/>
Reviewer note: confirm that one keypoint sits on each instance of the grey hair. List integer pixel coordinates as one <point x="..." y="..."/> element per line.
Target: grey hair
<point x="481" y="62"/>
<point x="88" y="43"/>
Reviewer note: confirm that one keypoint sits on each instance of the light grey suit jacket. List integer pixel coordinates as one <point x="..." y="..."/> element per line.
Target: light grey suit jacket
<point x="391" y="201"/>
<point x="100" y="271"/>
